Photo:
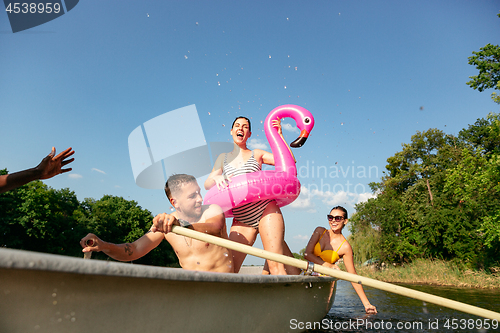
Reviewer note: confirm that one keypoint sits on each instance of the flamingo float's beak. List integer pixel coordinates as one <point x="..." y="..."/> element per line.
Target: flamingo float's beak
<point x="299" y="142"/>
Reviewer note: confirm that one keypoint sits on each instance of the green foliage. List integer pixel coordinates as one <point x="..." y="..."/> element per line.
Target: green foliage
<point x="364" y="239"/>
<point x="36" y="217"/>
<point x="439" y="198"/>
<point x="300" y="255"/>
<point x="487" y="62"/>
<point x="484" y="134"/>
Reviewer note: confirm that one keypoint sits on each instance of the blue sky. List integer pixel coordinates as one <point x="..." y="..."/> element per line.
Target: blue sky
<point x="371" y="72"/>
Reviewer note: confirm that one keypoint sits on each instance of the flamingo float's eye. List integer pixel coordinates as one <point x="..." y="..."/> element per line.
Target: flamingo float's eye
<point x="306" y="120"/>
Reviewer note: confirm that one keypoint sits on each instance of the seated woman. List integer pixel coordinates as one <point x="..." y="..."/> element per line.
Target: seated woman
<point x="262" y="217"/>
<point x="322" y="245"/>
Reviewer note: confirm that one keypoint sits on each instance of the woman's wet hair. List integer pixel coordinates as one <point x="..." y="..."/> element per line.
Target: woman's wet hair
<point x="241" y="117"/>
<point x="342" y="209"/>
<point x="175" y="182"/>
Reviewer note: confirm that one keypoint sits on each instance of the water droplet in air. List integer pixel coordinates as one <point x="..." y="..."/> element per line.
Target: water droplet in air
<point x="185" y="56"/>
<point x="269" y="56"/>
<point x="148" y="14"/>
<point x="342" y="124"/>
<point x="285" y="87"/>
<point x="209" y="113"/>
<point x="171" y="209"/>
<point x="218" y="83"/>
<point x="196" y="23"/>
<point x="223" y="125"/>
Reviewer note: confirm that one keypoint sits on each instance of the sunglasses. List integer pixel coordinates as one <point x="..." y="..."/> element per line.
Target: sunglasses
<point x="336" y="218"/>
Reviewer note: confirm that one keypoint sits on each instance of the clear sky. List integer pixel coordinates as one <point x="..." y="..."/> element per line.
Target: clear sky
<point x="371" y="72"/>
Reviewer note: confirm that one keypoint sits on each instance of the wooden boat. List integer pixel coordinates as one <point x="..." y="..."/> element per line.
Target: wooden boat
<point x="52" y="293"/>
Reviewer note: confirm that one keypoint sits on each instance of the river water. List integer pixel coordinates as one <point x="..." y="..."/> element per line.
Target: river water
<point x="402" y="314"/>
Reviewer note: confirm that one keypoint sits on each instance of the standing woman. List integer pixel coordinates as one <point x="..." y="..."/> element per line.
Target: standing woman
<point x="262" y="217"/>
<point x="322" y="245"/>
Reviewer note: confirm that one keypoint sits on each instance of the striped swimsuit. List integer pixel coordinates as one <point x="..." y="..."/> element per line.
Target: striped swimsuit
<point x="250" y="213"/>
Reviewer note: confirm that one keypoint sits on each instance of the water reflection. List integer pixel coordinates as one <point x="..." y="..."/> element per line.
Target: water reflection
<point x="402" y="314"/>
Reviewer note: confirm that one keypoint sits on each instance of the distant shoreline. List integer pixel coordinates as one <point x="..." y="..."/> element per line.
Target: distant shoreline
<point x="432" y="272"/>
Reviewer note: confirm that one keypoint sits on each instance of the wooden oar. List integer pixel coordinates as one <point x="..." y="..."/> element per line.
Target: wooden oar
<point x="338" y="274"/>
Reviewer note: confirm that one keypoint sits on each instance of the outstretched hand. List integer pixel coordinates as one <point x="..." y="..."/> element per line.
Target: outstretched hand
<point x="51" y="166"/>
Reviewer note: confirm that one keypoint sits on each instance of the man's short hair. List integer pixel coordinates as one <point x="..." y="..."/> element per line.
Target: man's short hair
<point x="175" y="182"/>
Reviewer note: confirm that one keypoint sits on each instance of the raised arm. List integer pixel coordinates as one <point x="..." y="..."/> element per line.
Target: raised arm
<point x="212" y="222"/>
<point x="48" y="168"/>
<point x="125" y="251"/>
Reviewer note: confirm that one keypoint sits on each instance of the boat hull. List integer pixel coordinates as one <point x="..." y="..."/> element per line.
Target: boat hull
<point x="50" y="293"/>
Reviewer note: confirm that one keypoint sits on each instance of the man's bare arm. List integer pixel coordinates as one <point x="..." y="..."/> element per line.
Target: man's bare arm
<point x="125" y="251"/>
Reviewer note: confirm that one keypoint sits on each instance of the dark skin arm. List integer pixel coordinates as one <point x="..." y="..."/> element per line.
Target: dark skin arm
<point x="49" y="167"/>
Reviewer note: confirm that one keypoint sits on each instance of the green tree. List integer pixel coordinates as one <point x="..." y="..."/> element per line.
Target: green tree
<point x="487" y="62"/>
<point x="117" y="220"/>
<point x="364" y="238"/>
<point x="438" y="198"/>
<point x="38" y="218"/>
<point x="474" y="185"/>
<point x="484" y="135"/>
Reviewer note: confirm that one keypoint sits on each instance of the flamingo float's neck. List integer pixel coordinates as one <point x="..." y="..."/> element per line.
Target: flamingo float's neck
<point x="283" y="159"/>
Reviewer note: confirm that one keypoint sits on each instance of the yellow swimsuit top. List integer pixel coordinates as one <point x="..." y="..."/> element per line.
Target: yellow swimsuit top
<point x="327" y="255"/>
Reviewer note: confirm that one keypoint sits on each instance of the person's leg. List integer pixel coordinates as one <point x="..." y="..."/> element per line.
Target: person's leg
<point x="272" y="234"/>
<point x="242" y="234"/>
<point x="290" y="270"/>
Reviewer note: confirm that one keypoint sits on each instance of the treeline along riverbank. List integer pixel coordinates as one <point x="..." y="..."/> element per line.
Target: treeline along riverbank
<point x="439" y="198"/>
<point x="36" y="217"/>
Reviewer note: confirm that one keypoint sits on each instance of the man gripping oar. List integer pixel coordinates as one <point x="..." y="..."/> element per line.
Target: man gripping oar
<point x="183" y="193"/>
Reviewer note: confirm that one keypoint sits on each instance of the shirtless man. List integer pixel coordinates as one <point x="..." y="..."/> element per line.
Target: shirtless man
<point x="184" y="195"/>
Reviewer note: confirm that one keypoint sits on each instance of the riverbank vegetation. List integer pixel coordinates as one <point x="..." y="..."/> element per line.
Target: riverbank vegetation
<point x="434" y="272"/>
<point x="36" y="217"/>
<point x="439" y="198"/>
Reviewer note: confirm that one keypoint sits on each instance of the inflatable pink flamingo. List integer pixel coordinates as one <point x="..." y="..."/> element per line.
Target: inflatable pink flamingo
<point x="281" y="183"/>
